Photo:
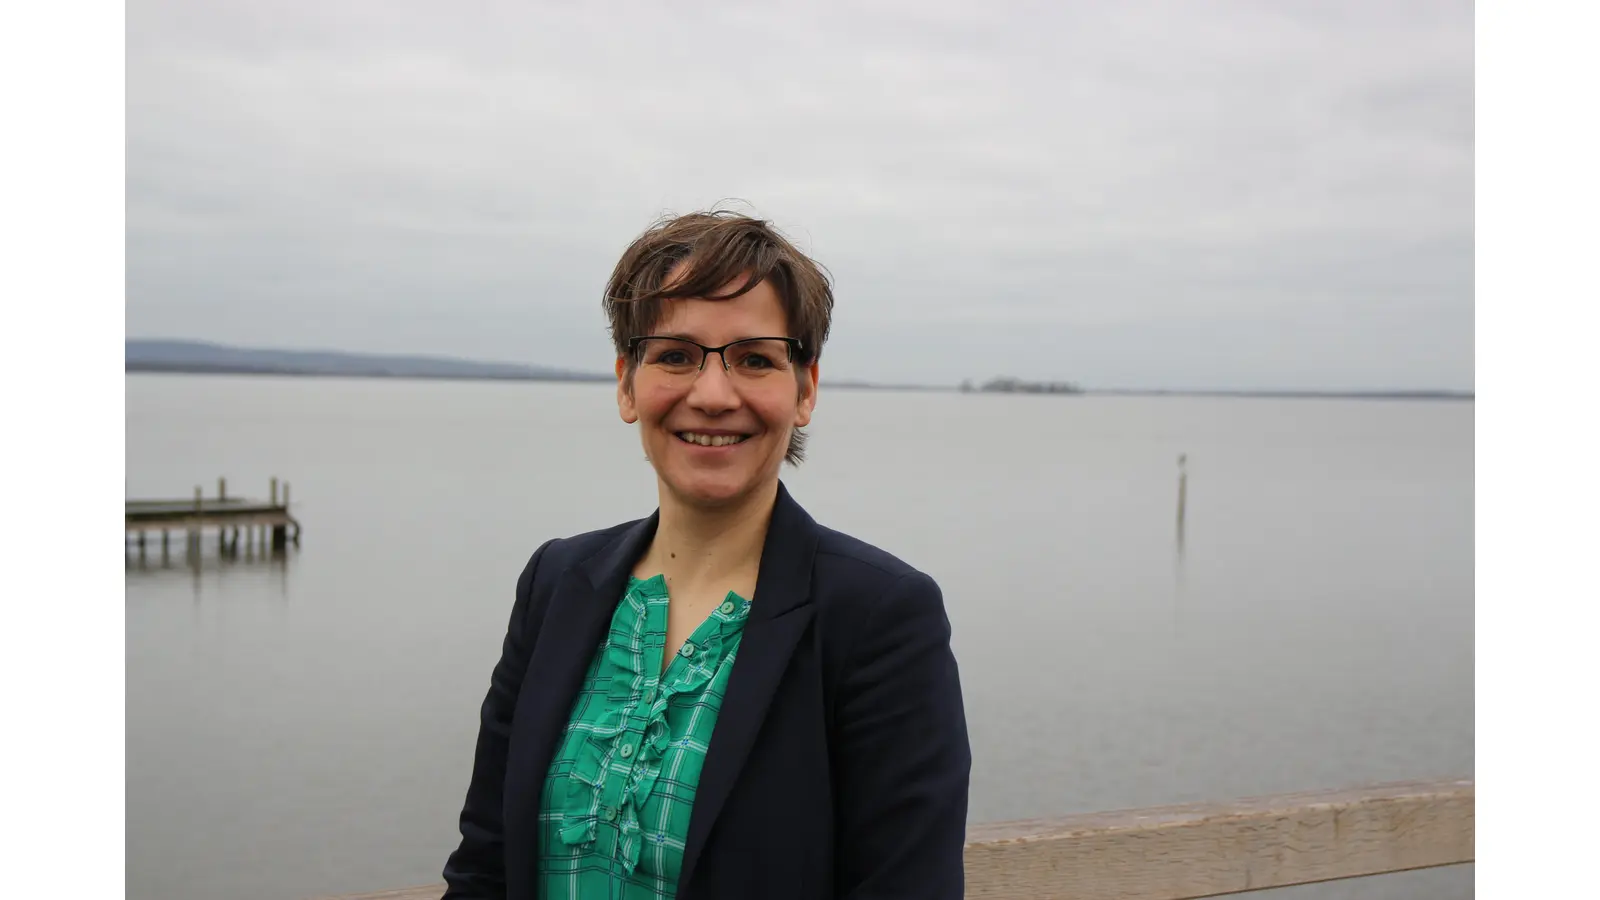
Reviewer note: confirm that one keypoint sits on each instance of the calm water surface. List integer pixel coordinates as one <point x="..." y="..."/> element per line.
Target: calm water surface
<point x="305" y="726"/>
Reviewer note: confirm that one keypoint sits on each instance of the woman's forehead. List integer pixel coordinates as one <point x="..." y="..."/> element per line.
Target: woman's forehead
<point x="755" y="313"/>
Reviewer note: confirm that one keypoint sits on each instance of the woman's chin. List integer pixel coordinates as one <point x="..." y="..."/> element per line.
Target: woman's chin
<point x="703" y="488"/>
<point x="711" y="477"/>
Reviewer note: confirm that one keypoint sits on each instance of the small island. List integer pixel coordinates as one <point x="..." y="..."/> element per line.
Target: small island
<point x="1006" y="385"/>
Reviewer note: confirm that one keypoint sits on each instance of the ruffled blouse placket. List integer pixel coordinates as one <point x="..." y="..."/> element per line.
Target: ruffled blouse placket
<point x="623" y="753"/>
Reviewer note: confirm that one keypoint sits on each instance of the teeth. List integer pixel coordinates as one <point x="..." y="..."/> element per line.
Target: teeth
<point x="708" y="440"/>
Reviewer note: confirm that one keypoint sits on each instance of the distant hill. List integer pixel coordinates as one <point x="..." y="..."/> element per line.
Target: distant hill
<point x="200" y="356"/>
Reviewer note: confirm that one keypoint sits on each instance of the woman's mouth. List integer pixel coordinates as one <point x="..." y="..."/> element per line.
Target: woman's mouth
<point x="710" y="440"/>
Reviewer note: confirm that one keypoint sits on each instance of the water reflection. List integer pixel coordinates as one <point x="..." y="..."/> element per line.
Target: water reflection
<point x="200" y="568"/>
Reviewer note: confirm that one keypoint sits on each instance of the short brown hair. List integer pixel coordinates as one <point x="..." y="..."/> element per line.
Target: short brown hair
<point x="718" y="246"/>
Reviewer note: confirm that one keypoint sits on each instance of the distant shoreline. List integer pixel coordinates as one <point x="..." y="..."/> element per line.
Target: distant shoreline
<point x="1293" y="395"/>
<point x="177" y="368"/>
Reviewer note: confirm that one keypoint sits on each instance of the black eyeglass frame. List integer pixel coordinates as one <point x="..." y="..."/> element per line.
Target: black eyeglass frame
<point x="797" y="348"/>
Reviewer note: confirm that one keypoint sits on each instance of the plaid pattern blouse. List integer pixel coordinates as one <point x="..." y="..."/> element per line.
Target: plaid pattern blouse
<point x="618" y="795"/>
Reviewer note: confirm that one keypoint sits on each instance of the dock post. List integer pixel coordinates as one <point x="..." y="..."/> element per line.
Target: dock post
<point x="1183" y="493"/>
<point x="222" y="489"/>
<point x="194" y="530"/>
<point x="163" y="546"/>
<point x="141" y="545"/>
<point x="280" y="531"/>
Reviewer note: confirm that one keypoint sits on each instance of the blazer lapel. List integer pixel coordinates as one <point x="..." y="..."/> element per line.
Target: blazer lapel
<point x="779" y="613"/>
<point x="581" y="607"/>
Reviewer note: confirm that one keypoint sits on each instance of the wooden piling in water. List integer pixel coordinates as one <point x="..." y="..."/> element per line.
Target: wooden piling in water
<point x="194" y="527"/>
<point x="1183" y="487"/>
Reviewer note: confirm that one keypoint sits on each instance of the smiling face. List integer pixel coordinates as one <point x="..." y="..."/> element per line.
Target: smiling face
<point x="717" y="437"/>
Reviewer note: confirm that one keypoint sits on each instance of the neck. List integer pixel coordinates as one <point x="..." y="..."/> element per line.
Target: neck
<point x="694" y="544"/>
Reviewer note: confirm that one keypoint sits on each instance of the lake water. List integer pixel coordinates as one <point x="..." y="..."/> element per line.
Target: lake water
<point x="305" y="726"/>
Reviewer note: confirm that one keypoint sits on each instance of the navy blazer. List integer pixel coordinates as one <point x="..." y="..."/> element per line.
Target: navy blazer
<point x="839" y="764"/>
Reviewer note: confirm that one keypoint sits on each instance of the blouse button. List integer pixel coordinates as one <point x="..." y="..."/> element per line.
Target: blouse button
<point x="611" y="814"/>
<point x="687" y="650"/>
<point x="627" y="750"/>
<point x="727" y="608"/>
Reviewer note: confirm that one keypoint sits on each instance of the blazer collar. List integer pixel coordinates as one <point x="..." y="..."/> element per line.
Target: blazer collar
<point x="608" y="569"/>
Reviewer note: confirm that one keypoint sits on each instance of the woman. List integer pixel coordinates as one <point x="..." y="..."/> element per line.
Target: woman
<point x="725" y="699"/>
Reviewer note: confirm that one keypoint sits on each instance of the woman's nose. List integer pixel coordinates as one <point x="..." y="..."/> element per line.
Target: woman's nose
<point x="713" y="388"/>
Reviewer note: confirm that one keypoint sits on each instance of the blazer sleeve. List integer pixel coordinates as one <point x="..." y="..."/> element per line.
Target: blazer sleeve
<point x="902" y="755"/>
<point x="475" y="870"/>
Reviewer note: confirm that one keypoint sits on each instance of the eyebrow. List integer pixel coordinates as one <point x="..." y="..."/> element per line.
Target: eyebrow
<point x="684" y="336"/>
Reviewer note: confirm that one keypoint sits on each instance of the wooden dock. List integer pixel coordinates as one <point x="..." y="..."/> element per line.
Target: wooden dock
<point x="1205" y="849"/>
<point x="265" y="527"/>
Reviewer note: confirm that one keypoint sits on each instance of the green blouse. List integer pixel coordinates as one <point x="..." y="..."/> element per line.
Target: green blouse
<point x="617" y="798"/>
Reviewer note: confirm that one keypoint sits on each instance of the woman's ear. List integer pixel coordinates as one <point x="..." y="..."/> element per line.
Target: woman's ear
<point x="808" y="394"/>
<point x="625" y="404"/>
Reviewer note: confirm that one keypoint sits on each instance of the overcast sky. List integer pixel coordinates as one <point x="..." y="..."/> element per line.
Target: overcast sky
<point x="1269" y="194"/>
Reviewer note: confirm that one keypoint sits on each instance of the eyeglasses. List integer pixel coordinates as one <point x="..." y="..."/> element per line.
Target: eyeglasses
<point x="748" y="358"/>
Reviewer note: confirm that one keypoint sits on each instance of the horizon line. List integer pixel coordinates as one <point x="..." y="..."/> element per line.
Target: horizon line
<point x="532" y="368"/>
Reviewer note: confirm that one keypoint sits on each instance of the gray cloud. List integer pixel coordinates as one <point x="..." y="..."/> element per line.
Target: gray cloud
<point x="1132" y="194"/>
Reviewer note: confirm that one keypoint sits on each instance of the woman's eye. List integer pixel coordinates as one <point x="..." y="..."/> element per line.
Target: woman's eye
<point x="673" y="358"/>
<point x="757" y="361"/>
